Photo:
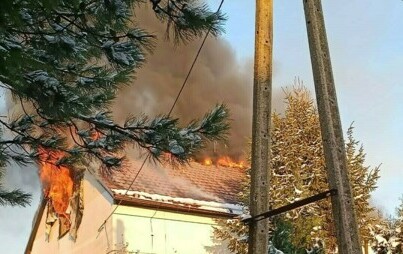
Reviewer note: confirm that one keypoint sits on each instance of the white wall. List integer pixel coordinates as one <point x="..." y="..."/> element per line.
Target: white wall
<point x="154" y="231"/>
<point x="96" y="208"/>
<point x="145" y="230"/>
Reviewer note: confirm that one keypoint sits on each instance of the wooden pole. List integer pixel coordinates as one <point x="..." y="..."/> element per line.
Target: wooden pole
<point x="332" y="134"/>
<point x="262" y="87"/>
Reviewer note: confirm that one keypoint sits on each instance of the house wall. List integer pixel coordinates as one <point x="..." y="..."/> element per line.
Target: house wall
<point x="149" y="231"/>
<point x="145" y="231"/>
<point x="96" y="208"/>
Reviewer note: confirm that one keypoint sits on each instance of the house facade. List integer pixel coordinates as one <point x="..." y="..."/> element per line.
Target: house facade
<point x="165" y="210"/>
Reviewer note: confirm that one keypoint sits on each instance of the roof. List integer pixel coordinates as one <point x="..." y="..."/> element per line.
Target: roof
<point x="211" y="187"/>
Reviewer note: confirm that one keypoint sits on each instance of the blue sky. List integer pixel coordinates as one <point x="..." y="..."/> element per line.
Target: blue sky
<point x="366" y="46"/>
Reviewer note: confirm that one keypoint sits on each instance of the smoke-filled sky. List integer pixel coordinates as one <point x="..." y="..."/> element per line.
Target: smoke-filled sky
<point x="366" y="46"/>
<point x="217" y="78"/>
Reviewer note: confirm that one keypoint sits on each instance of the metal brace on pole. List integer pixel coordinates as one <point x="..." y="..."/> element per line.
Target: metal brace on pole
<point x="292" y="206"/>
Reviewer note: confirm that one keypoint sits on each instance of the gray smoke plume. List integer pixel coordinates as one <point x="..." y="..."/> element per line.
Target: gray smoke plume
<point x="216" y="78"/>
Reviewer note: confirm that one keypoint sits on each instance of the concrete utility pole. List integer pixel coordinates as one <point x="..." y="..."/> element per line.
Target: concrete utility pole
<point x="332" y="134"/>
<point x="262" y="86"/>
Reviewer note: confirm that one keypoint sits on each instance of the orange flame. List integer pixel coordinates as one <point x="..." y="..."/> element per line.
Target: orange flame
<point x="228" y="162"/>
<point x="207" y="162"/>
<point x="95" y="135"/>
<point x="56" y="180"/>
<point x="225" y="161"/>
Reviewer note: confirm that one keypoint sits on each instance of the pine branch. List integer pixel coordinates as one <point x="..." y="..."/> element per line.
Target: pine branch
<point x="14" y="198"/>
<point x="187" y="19"/>
<point x="64" y="61"/>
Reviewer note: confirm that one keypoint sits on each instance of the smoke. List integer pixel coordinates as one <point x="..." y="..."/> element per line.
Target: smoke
<point x="216" y="78"/>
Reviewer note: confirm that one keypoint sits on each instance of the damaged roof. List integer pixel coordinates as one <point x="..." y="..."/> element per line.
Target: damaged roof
<point x="193" y="185"/>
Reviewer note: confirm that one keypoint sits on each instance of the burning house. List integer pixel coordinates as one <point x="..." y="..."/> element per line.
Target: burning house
<point x="165" y="210"/>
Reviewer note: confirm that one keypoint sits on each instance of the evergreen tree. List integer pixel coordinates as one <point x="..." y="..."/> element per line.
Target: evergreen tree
<point x="363" y="181"/>
<point x="297" y="164"/>
<point x="63" y="62"/>
<point x="15" y="197"/>
<point x="384" y="240"/>
<point x="399" y="227"/>
<point x="387" y="234"/>
<point x="298" y="171"/>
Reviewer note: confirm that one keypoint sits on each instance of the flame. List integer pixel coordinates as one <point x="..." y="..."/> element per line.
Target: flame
<point x="225" y="161"/>
<point x="95" y="135"/>
<point x="207" y="162"/>
<point x="56" y="180"/>
<point x="228" y="162"/>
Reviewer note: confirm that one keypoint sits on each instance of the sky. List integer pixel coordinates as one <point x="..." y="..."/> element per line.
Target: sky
<point x="366" y="46"/>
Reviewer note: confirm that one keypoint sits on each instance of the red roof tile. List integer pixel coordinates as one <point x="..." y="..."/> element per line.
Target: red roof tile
<point x="195" y="181"/>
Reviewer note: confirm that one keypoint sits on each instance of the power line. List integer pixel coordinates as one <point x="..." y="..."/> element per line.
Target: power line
<point x="169" y="114"/>
<point x="193" y="63"/>
<point x="127" y="191"/>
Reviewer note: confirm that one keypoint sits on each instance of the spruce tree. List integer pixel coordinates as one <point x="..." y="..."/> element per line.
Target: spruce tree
<point x="63" y="62"/>
<point x="399" y="227"/>
<point x="298" y="171"/>
<point x="384" y="236"/>
<point x="387" y="233"/>
<point x="363" y="181"/>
